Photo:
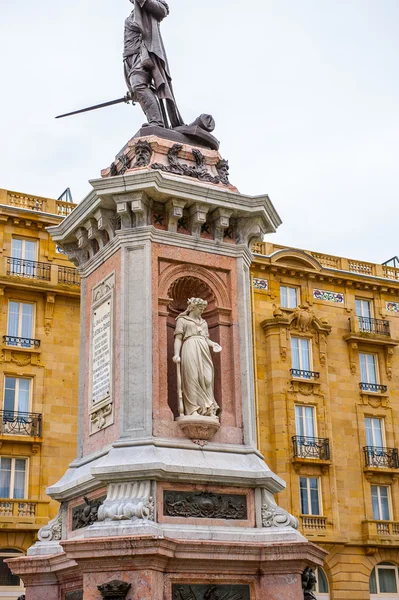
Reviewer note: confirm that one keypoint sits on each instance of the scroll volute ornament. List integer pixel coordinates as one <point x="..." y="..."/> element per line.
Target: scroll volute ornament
<point x="114" y="590"/>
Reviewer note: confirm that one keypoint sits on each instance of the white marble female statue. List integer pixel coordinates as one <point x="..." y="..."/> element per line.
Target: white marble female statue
<point x="195" y="369"/>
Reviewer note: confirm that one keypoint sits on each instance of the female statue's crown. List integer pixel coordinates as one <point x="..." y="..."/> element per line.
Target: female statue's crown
<point x="192" y="302"/>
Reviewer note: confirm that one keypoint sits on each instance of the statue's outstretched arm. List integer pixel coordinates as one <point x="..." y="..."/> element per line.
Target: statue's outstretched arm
<point x="157" y="8"/>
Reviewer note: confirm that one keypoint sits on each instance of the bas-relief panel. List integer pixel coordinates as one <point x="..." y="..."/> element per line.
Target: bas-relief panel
<point x="100" y="396"/>
<point x="210" y="592"/>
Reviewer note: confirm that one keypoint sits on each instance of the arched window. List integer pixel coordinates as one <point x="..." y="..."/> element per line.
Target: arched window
<point x="322" y="590"/>
<point x="7" y="578"/>
<point x="384" y="581"/>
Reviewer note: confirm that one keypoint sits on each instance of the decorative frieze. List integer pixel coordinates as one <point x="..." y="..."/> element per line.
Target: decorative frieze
<point x="260" y="284"/>
<point x="205" y="505"/>
<point x="210" y="592"/>
<point x="326" y="296"/>
<point x="392" y="307"/>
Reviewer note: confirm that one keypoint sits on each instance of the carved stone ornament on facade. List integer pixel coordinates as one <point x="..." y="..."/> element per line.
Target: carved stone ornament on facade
<point x="86" y="514"/>
<point x="205" y="505"/>
<point x="273" y="515"/>
<point x="114" y="590"/>
<point x="128" y="502"/>
<point x="52" y="532"/>
<point x="198" y="171"/>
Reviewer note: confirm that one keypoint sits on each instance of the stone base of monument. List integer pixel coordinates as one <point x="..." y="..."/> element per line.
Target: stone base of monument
<point x="146" y="513"/>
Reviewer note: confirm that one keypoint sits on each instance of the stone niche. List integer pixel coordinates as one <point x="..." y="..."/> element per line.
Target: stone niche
<point x="179" y="281"/>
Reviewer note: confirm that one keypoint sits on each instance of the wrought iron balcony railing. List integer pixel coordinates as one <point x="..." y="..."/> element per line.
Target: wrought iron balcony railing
<point x="376" y="326"/>
<point x="68" y="276"/>
<point x="381" y="457"/>
<point x="304" y="374"/>
<point x="28" y="268"/>
<point x="20" y="423"/>
<point x="309" y="447"/>
<point x="21" y="342"/>
<point x="373" y="387"/>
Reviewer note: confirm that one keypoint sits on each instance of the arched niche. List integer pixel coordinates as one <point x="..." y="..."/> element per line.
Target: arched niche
<point x="183" y="288"/>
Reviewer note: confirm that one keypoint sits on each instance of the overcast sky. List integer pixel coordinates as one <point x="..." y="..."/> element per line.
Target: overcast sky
<point x="305" y="94"/>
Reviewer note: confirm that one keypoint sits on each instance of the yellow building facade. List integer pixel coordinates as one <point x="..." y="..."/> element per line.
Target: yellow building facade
<point x="39" y="354"/>
<point x="326" y="335"/>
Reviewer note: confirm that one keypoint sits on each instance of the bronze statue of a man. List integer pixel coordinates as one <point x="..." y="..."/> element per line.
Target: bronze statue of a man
<point x="146" y="65"/>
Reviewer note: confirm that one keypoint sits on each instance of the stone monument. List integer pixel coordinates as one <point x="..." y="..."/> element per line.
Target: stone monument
<point x="169" y="497"/>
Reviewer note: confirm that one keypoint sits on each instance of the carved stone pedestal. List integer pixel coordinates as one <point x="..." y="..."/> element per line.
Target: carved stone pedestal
<point x="174" y="507"/>
<point x="199" y="429"/>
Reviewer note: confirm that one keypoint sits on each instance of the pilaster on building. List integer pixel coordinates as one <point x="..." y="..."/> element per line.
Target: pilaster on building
<point x="39" y="347"/>
<point x="326" y="336"/>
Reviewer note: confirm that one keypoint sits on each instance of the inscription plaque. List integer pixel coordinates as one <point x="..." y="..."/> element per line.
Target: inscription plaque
<point x="204" y="505"/>
<point x="101" y="352"/>
<point x="210" y="592"/>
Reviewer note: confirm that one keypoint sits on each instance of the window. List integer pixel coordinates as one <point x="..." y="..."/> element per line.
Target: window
<point x="375" y="432"/>
<point x="384" y="579"/>
<point x="368" y="368"/>
<point x="310" y="496"/>
<point x="23" y="249"/>
<point x="301" y="361"/>
<point x="23" y="257"/>
<point x="364" y="308"/>
<point x="20" y="324"/>
<point x="16" y="395"/>
<point x="322" y="589"/>
<point x="12" y="477"/>
<point x="381" y="503"/>
<point x="7" y="578"/>
<point x="305" y="421"/>
<point x="289" y="297"/>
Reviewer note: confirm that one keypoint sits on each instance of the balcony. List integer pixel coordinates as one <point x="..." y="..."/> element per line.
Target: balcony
<point x="374" y="326"/>
<point x="375" y="388"/>
<point x="18" y="267"/>
<point x="312" y="523"/>
<point x="19" y="423"/>
<point x="68" y="276"/>
<point x="313" y="448"/>
<point x="299" y="374"/>
<point x="27" y="513"/>
<point x="20" y="342"/>
<point x="383" y="532"/>
<point x="384" y="458"/>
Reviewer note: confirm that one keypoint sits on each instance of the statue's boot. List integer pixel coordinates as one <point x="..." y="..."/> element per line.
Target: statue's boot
<point x="149" y="103"/>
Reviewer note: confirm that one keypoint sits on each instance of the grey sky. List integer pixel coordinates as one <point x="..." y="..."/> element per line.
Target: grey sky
<point x="305" y="94"/>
